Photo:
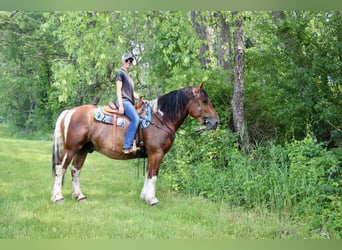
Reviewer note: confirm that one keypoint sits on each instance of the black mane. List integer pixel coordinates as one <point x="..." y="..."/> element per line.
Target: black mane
<point x="173" y="104"/>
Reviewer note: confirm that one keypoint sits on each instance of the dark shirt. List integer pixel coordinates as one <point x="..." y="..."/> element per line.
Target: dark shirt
<point x="127" y="85"/>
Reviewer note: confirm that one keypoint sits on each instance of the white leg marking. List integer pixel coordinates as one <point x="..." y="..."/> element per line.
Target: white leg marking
<point x="76" y="184"/>
<point x="144" y="190"/>
<point x="57" y="188"/>
<point x="148" y="192"/>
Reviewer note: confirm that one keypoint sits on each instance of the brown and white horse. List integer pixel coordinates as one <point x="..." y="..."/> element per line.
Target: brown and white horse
<point x="77" y="133"/>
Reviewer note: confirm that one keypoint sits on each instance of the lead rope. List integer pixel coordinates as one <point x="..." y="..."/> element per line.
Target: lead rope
<point x="143" y="167"/>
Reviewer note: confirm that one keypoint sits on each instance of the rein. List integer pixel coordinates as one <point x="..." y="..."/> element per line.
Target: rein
<point x="192" y="133"/>
<point x="167" y="130"/>
<point x="170" y="131"/>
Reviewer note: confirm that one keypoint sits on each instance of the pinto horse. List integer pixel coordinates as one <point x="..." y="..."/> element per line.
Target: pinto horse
<point x="77" y="133"/>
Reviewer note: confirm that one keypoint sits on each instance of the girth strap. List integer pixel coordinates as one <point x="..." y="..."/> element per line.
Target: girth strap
<point x="114" y="132"/>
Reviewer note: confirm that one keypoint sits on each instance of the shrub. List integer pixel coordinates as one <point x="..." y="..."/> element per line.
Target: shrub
<point x="301" y="177"/>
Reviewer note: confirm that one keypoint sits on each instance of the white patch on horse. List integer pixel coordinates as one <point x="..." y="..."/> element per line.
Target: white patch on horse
<point x="76" y="184"/>
<point x="57" y="188"/>
<point x="160" y="112"/>
<point x="67" y="123"/>
<point x="58" y="135"/>
<point x="154" y="107"/>
<point x="148" y="192"/>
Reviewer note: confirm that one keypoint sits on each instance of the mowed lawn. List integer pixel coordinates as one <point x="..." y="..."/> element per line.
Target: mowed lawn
<point x="114" y="210"/>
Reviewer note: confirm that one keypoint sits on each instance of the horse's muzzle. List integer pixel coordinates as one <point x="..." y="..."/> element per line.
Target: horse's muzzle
<point x="211" y="123"/>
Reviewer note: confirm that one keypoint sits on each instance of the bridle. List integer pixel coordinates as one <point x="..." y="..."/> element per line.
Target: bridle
<point x="200" y="107"/>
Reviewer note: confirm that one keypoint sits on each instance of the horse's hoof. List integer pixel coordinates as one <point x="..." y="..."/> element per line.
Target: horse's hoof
<point x="154" y="202"/>
<point x="59" y="201"/>
<point x="82" y="200"/>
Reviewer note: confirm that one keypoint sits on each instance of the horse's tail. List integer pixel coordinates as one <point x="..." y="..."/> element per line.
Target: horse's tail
<point x="58" y="143"/>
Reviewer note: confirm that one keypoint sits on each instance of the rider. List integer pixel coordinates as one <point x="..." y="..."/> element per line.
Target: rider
<point x="125" y="100"/>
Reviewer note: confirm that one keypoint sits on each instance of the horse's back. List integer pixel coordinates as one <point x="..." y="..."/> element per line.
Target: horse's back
<point x="76" y="123"/>
<point x="83" y="114"/>
<point x="80" y="128"/>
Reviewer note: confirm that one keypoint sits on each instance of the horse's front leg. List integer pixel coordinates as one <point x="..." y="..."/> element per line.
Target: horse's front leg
<point x="148" y="192"/>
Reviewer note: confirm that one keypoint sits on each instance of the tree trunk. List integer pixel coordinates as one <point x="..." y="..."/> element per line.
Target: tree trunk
<point x="278" y="16"/>
<point x="223" y="42"/>
<point x="239" y="84"/>
<point x="198" y="21"/>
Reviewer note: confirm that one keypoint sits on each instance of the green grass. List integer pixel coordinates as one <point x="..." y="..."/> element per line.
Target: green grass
<point x="114" y="210"/>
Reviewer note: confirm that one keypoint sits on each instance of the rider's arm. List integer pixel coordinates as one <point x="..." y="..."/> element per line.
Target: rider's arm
<point x="119" y="96"/>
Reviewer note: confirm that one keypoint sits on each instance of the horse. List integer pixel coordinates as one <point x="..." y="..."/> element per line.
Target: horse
<point x="77" y="133"/>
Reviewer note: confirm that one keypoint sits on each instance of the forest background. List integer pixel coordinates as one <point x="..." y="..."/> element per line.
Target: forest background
<point x="286" y="156"/>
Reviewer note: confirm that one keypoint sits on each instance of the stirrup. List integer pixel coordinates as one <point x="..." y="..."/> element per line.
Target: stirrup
<point x="131" y="150"/>
<point x="127" y="151"/>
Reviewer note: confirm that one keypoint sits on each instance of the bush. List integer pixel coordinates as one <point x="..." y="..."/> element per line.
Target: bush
<point x="301" y="177"/>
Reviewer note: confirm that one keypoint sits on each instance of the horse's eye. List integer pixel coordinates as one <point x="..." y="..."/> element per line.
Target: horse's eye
<point x="205" y="102"/>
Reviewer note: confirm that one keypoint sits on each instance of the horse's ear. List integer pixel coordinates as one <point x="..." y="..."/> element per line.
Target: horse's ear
<point x="200" y="87"/>
<point x="197" y="90"/>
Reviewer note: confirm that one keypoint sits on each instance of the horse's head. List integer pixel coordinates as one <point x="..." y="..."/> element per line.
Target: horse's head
<point x="202" y="109"/>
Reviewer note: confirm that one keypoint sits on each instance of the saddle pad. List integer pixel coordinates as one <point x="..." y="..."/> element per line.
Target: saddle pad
<point x="108" y="119"/>
<point x="146" y="121"/>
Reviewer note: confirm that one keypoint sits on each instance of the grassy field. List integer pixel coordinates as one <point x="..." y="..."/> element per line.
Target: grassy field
<point x="114" y="210"/>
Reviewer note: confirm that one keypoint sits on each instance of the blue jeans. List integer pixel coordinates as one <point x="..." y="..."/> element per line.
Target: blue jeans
<point x="133" y="116"/>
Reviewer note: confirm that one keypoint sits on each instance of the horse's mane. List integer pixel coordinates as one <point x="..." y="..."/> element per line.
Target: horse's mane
<point x="171" y="105"/>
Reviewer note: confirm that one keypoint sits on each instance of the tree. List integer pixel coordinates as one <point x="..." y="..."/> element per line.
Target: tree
<point x="224" y="50"/>
<point x="239" y="83"/>
<point x="290" y="60"/>
<point x="25" y="78"/>
<point x="200" y="25"/>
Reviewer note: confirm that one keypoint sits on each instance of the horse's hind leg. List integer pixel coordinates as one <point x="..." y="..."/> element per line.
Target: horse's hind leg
<point x="56" y="195"/>
<point x="75" y="175"/>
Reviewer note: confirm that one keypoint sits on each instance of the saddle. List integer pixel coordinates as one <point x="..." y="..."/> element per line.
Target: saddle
<point x="110" y="109"/>
<point x="110" y="114"/>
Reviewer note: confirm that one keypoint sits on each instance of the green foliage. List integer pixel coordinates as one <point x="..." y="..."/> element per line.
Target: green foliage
<point x="315" y="180"/>
<point x="25" y="71"/>
<point x="114" y="210"/>
<point x="303" y="85"/>
<point x="301" y="177"/>
<point x="51" y="61"/>
<point x="55" y="60"/>
<point x="172" y="52"/>
<point x="92" y="50"/>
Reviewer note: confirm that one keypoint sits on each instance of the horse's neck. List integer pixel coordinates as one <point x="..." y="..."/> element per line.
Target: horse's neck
<point x="180" y="121"/>
<point x="170" y="125"/>
<point x="159" y="113"/>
